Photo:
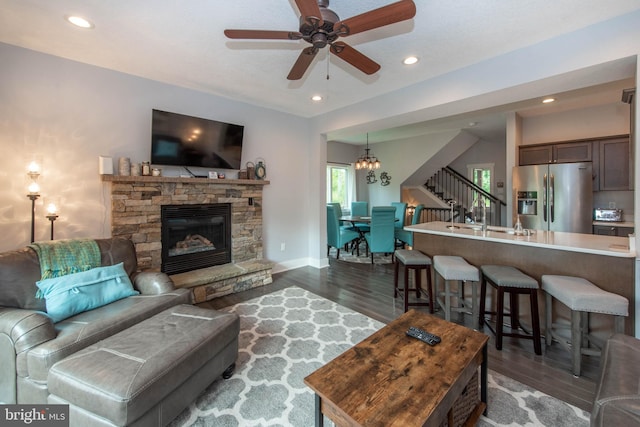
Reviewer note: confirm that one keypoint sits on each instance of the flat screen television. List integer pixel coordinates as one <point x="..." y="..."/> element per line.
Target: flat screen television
<point x="179" y="140"/>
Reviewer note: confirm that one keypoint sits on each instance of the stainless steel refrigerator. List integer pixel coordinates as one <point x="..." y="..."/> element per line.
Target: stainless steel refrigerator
<point x="554" y="197"/>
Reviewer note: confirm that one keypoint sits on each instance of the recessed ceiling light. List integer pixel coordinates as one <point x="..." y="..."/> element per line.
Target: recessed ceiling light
<point x="316" y="98"/>
<point x="548" y="100"/>
<point x="78" y="21"/>
<point x="410" y="60"/>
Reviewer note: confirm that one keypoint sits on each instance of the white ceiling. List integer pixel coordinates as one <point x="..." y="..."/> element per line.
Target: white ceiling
<point x="182" y="42"/>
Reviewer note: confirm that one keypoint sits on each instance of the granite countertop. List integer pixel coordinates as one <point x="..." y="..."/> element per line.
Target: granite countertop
<point x="574" y="242"/>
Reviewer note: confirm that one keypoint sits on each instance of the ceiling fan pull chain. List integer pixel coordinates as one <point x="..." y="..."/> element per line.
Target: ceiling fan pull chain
<point x="328" y="61"/>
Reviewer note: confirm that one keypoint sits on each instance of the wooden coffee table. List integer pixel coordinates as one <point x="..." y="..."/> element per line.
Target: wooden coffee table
<point x="390" y="379"/>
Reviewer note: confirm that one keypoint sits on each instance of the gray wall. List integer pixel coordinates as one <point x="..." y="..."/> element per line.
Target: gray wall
<point x="69" y="113"/>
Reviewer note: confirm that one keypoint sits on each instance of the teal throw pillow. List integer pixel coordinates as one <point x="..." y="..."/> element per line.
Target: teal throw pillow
<point x="75" y="293"/>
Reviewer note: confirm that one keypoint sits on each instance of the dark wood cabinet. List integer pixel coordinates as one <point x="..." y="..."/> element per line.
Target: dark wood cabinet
<point x="614" y="164"/>
<point x="606" y="230"/>
<point x="536" y="154"/>
<point x="573" y="152"/>
<point x="565" y="152"/>
<point x="612" y="159"/>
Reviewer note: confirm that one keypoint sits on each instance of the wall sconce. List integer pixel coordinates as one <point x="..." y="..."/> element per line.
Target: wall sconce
<point x="52" y="213"/>
<point x="33" y="170"/>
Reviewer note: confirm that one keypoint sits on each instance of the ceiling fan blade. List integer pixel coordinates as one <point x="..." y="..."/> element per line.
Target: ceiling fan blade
<point x="302" y="63"/>
<point x="385" y="15"/>
<point x="262" y="34"/>
<point x="310" y="8"/>
<point x="355" y="58"/>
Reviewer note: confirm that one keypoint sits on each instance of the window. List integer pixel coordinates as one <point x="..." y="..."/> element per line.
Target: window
<point x="480" y="175"/>
<point x="340" y="185"/>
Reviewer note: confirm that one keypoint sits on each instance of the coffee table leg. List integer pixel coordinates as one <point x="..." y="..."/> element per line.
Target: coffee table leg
<point x="319" y="416"/>
<point x="484" y="379"/>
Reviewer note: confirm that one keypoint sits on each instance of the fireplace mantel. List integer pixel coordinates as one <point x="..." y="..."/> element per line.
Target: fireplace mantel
<point x="142" y="179"/>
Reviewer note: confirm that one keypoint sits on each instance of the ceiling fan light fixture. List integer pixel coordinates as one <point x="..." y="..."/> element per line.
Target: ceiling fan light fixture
<point x="79" y="21"/>
<point x="410" y="60"/>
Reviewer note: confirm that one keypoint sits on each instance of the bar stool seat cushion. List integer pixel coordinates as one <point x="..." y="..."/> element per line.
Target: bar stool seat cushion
<point x="455" y="268"/>
<point x="507" y="276"/>
<point x="408" y="257"/>
<point x="580" y="294"/>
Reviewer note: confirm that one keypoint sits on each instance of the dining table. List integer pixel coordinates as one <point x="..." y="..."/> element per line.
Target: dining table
<point x="355" y="220"/>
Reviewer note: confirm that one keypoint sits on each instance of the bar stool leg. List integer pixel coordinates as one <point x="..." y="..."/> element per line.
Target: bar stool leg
<point x="548" y="309"/>
<point x="418" y="279"/>
<point x="483" y="303"/>
<point x="474" y="306"/>
<point x="535" y="319"/>
<point x="619" y="324"/>
<point x="514" y="309"/>
<point x="430" y="290"/>
<point x="576" y="341"/>
<point x="500" y="318"/>
<point x="447" y="300"/>
<point x="406" y="288"/>
<point x="395" y="278"/>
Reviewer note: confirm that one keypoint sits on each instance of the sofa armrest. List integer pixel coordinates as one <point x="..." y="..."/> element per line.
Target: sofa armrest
<point x="153" y="283"/>
<point x="26" y="328"/>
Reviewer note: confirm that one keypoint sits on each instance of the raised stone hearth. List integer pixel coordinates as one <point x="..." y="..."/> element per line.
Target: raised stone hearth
<point x="135" y="215"/>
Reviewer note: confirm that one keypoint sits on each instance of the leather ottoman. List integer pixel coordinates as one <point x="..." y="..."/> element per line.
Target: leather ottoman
<point x="147" y="374"/>
<point x="617" y="400"/>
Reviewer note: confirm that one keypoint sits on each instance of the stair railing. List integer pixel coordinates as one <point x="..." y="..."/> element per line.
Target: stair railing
<point x="447" y="184"/>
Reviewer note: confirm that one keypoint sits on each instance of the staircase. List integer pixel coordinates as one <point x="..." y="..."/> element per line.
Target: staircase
<point x="450" y="186"/>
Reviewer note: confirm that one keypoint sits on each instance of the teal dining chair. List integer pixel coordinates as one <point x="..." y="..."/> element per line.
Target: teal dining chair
<point x="401" y="213"/>
<point x="381" y="238"/>
<point x="338" y="237"/>
<point x="360" y="209"/>
<point x="406" y="236"/>
<point x="338" y="210"/>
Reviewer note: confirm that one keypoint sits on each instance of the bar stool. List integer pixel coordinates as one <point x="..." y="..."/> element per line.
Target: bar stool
<point x="455" y="268"/>
<point x="416" y="261"/>
<point x="514" y="282"/>
<point x="582" y="297"/>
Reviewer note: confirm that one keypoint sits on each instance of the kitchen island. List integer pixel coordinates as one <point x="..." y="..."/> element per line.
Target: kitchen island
<point x="606" y="261"/>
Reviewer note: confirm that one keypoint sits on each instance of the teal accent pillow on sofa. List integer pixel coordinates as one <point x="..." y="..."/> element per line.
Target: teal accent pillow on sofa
<point x="78" y="292"/>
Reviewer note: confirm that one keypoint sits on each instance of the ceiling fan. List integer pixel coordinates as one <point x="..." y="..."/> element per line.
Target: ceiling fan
<point x="320" y="26"/>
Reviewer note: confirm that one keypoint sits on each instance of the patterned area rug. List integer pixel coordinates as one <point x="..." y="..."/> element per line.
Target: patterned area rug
<point x="288" y="334"/>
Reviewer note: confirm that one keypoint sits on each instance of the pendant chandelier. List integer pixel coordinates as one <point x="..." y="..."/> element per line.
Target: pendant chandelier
<point x="367" y="161"/>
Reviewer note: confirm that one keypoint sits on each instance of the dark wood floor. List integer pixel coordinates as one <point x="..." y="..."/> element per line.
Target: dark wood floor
<point x="368" y="289"/>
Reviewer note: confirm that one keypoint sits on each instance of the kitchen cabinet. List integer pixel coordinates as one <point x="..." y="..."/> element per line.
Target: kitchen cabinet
<point x="563" y="152"/>
<point x="606" y="230"/>
<point x="614" y="169"/>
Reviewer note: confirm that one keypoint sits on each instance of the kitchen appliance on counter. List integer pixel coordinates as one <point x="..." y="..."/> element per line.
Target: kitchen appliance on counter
<point x="607" y="215"/>
<point x="554" y="197"/>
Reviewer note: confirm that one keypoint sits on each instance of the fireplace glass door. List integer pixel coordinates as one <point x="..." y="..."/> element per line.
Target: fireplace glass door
<point x="195" y="236"/>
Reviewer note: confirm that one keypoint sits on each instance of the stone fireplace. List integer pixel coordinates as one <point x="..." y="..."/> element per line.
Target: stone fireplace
<point x="137" y="211"/>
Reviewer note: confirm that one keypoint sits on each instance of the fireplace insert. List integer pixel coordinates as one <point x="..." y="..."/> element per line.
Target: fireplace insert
<point x="195" y="236"/>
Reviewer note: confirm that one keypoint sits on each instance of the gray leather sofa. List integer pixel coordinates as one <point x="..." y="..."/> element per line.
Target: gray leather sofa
<point x="137" y="361"/>
<point x="617" y="401"/>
